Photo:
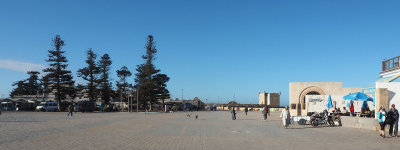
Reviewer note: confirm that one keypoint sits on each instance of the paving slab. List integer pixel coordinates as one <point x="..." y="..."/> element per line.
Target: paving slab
<point x="175" y="131"/>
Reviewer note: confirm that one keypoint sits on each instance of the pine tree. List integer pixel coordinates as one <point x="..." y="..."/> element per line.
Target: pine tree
<point x="150" y="83"/>
<point x="30" y="86"/>
<point x="90" y="74"/>
<point x="20" y="89"/>
<point x="33" y="85"/>
<point x="122" y="84"/>
<point x="104" y="81"/>
<point x="58" y="79"/>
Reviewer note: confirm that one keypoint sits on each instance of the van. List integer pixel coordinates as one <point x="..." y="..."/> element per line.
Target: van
<point x="47" y="106"/>
<point x="85" y="106"/>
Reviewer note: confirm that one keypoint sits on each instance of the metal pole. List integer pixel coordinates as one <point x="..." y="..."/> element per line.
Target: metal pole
<point x="131" y="99"/>
<point x="127" y="98"/>
<point x="120" y="96"/>
<point x="137" y="100"/>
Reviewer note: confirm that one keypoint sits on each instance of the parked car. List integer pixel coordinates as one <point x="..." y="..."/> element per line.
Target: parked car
<point x="7" y="105"/>
<point x="85" y="106"/>
<point x="47" y="106"/>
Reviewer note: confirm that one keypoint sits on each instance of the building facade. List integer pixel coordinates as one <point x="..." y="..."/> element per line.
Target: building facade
<point x="312" y="96"/>
<point x="269" y="99"/>
<point x="299" y="90"/>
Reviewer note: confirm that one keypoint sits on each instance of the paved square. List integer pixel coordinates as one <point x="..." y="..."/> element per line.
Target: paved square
<point x="159" y="131"/>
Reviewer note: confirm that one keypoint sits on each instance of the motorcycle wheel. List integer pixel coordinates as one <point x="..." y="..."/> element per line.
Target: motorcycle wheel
<point x="314" y="124"/>
<point x="331" y="123"/>
<point x="302" y="122"/>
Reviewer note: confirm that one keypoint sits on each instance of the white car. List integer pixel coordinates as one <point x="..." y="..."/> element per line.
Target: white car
<point x="47" y="106"/>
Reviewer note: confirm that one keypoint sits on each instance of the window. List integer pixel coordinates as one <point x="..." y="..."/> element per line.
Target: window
<point x="396" y="62"/>
<point x="292" y="106"/>
<point x="391" y="64"/>
<point x="387" y="65"/>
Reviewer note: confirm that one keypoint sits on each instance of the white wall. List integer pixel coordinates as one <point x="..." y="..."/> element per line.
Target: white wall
<point x="393" y="92"/>
<point x="337" y="101"/>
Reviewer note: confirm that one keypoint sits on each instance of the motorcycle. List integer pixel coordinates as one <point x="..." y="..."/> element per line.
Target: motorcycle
<point x="324" y="118"/>
<point x="334" y="120"/>
<point x="318" y="119"/>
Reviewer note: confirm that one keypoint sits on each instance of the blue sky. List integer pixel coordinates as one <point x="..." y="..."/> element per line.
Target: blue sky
<point x="209" y="49"/>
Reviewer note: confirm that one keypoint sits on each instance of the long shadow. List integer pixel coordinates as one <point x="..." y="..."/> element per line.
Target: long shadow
<point x="306" y="127"/>
<point x="17" y="121"/>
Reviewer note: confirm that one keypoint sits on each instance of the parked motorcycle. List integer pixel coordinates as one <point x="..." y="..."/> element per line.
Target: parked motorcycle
<point x="318" y="119"/>
<point x="324" y="118"/>
<point x="334" y="120"/>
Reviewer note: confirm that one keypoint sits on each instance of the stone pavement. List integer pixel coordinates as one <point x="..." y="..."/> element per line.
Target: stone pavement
<point x="159" y="131"/>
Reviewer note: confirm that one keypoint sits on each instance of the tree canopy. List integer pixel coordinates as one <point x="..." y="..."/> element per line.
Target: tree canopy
<point x="149" y="81"/>
<point x="58" y="79"/>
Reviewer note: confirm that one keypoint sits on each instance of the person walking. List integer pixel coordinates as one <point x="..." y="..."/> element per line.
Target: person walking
<point x="393" y="121"/>
<point x="264" y="112"/>
<point x="233" y="112"/>
<point x="382" y="117"/>
<point x="285" y="116"/>
<point x="246" y="109"/>
<point x="70" y="110"/>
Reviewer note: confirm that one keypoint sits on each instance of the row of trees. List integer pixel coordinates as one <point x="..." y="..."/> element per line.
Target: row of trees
<point x="30" y="86"/>
<point x="150" y="84"/>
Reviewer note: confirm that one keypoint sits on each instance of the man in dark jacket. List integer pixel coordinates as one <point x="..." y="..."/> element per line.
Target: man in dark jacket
<point x="246" y="110"/>
<point x="394" y="120"/>
<point x="71" y="109"/>
<point x="233" y="113"/>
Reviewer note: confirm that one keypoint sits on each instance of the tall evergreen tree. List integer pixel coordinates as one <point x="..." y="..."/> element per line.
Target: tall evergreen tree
<point x="161" y="87"/>
<point x="150" y="83"/>
<point x="122" y="84"/>
<point x="20" y="89"/>
<point x="30" y="86"/>
<point x="104" y="81"/>
<point x="33" y="83"/>
<point x="90" y="74"/>
<point x="58" y="79"/>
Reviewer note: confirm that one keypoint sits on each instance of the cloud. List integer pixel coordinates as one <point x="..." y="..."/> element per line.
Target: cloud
<point x="20" y="66"/>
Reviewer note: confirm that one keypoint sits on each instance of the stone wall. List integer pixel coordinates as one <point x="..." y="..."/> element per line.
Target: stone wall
<point x="359" y="122"/>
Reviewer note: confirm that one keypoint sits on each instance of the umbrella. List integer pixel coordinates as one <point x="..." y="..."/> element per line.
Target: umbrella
<point x="329" y="105"/>
<point x="358" y="96"/>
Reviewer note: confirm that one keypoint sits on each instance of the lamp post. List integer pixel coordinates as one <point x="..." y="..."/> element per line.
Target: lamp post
<point x="137" y="100"/>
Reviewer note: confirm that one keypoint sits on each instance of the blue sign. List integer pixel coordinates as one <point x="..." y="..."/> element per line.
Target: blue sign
<point x="315" y="100"/>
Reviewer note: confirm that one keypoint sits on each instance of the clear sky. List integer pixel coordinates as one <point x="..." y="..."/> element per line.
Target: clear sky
<point x="212" y="48"/>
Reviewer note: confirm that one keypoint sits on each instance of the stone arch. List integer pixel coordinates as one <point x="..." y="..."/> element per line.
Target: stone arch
<point x="312" y="90"/>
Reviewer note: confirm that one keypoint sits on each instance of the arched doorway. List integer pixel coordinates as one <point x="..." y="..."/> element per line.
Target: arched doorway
<point x="313" y="90"/>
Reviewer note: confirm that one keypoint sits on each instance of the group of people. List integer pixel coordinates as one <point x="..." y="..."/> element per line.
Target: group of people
<point x="390" y="118"/>
<point x="285" y="115"/>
